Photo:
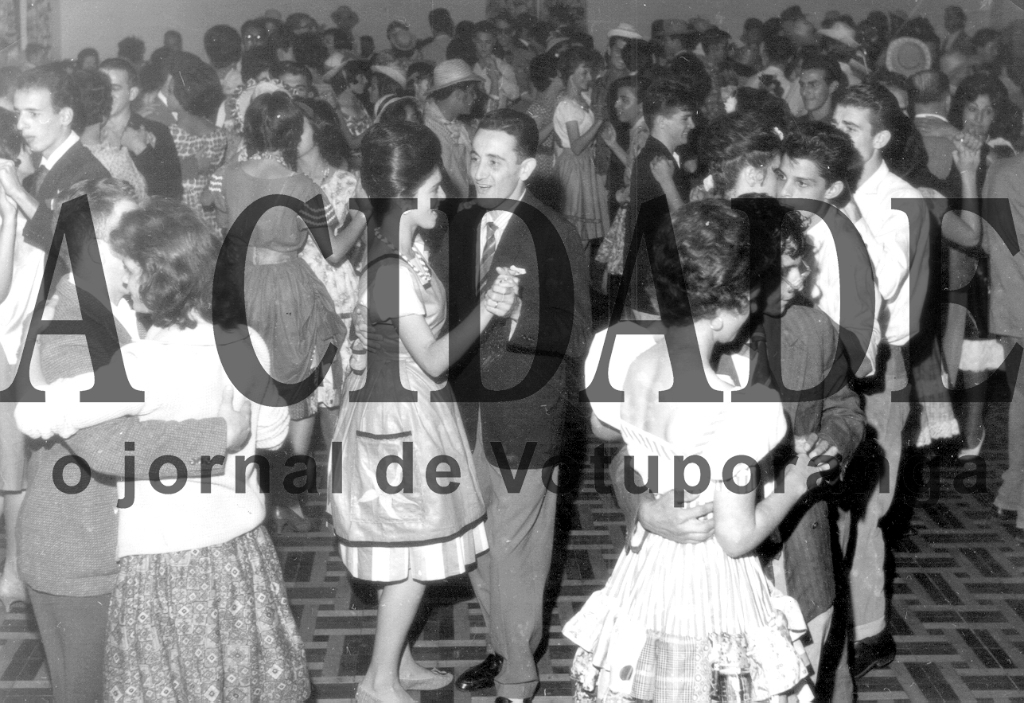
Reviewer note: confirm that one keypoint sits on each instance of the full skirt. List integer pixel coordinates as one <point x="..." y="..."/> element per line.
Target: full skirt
<point x="210" y="624"/>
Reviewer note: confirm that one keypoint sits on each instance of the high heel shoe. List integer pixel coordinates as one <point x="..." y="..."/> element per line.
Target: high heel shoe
<point x="285" y="519"/>
<point x="968" y="452"/>
<point x="12" y="593"/>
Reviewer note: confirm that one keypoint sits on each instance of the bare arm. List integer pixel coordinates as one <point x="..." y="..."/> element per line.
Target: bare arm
<point x="579" y="142"/>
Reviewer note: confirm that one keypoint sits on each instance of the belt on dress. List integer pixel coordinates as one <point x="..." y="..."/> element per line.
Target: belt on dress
<point x="262" y="256"/>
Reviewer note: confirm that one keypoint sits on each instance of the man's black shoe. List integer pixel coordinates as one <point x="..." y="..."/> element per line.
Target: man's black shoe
<point x="874" y="652"/>
<point x="482" y="675"/>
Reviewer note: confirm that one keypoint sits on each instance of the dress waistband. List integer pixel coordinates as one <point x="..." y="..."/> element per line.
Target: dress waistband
<point x="261" y="256"/>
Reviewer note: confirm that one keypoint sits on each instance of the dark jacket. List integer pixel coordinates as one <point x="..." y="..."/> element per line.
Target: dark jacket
<point x="77" y="164"/>
<point x="159" y="163"/>
<point x="552" y="333"/>
<point x="645" y="212"/>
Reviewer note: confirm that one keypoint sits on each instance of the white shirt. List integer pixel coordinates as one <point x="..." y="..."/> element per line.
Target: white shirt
<point x="49" y="161"/>
<point x="888" y="244"/>
<point x="824" y="288"/>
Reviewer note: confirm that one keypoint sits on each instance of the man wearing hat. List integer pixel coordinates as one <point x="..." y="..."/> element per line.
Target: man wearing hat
<point x="678" y="38"/>
<point x="455" y="90"/>
<point x="907" y="56"/>
<point x="618" y="38"/>
<point x="403" y="44"/>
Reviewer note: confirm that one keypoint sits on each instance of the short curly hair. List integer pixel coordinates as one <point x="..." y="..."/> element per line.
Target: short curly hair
<point x="94" y="89"/>
<point x="701" y="262"/>
<point x="273" y="122"/>
<point x="177" y="254"/>
<point x="831" y="150"/>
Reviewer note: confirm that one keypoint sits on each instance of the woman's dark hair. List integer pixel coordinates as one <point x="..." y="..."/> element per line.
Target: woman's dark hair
<point x="223" y="44"/>
<point x="638" y="55"/>
<point x="152" y="77"/>
<point x="273" y="122"/>
<point x="983" y="37"/>
<point x="689" y="71"/>
<point x="195" y="85"/>
<point x="440" y="21"/>
<point x="771" y="108"/>
<point x="327" y="134"/>
<point x="732" y="142"/>
<point x="543" y="70"/>
<point x="349" y="73"/>
<point x="86" y="53"/>
<point x="177" y="254"/>
<point x="309" y="51"/>
<point x="386" y="85"/>
<point x="133" y="49"/>
<point x="972" y="89"/>
<point x="94" y="88"/>
<point x="257" y="60"/>
<point x="570" y="60"/>
<point x="397" y="158"/>
<point x="774" y="230"/>
<point x="11" y="141"/>
<point x="341" y="40"/>
<point x="709" y="243"/>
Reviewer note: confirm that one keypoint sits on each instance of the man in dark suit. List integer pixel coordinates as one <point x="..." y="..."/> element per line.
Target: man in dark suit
<point x="669" y="113"/>
<point x="525" y="362"/>
<point x="48" y="108"/>
<point x="149" y="143"/>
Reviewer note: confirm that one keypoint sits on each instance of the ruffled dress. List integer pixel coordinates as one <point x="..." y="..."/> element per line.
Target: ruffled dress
<point x="584" y="202"/>
<point x="676" y="621"/>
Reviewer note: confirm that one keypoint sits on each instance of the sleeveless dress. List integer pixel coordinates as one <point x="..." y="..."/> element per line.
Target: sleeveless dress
<point x="427" y="534"/>
<point x="675" y="617"/>
<point x="284" y="301"/>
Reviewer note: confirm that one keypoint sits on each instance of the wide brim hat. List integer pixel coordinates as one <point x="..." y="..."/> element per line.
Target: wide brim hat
<point x="842" y="33"/>
<point x="907" y="56"/>
<point x="452" y="72"/>
<point x="387" y="101"/>
<point x="624" y="31"/>
<point x="393" y="72"/>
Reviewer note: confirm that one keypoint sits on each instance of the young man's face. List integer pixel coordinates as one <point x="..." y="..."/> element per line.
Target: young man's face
<point x="484" y="42"/>
<point x="495" y="166"/>
<point x="297" y="85"/>
<point x="42" y="127"/>
<point x="121" y="91"/>
<point x="801" y="178"/>
<point x="815" y="90"/>
<point x="856" y="122"/>
<point x="678" y="124"/>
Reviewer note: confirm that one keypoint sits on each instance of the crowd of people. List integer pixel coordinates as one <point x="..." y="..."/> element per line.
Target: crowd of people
<point x="443" y="253"/>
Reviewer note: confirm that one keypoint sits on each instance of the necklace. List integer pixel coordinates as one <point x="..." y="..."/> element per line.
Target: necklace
<point x="416" y="262"/>
<point x="320" y="173"/>
<point x="274" y="156"/>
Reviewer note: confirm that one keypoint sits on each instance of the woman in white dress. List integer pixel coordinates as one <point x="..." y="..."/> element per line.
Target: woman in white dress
<point x="689" y="621"/>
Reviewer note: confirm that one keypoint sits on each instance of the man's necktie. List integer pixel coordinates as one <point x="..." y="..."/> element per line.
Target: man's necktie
<point x="40" y="177"/>
<point x="487" y="257"/>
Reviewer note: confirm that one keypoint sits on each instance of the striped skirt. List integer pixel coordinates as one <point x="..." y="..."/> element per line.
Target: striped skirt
<point x="433" y="561"/>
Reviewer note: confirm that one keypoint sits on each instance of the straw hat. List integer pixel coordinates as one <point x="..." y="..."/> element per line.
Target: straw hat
<point x="400" y="36"/>
<point x="387" y="101"/>
<point x="624" y="31"/>
<point x="452" y="72"/>
<point x="841" y="32"/>
<point x="393" y="72"/>
<point x="907" y="56"/>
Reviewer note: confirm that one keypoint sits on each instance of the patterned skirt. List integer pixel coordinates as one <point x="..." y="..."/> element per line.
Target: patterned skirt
<point x="210" y="624"/>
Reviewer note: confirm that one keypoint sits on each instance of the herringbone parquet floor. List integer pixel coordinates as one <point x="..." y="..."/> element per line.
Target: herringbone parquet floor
<point x="958" y="606"/>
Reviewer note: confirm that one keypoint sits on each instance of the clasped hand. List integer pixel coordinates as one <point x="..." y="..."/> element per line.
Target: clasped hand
<point x="500" y="299"/>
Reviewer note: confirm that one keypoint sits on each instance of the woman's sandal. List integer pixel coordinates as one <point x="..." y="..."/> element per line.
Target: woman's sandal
<point x="437" y="679"/>
<point x="12" y="593"/>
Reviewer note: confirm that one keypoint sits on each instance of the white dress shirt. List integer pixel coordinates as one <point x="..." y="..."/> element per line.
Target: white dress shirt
<point x="824" y="288"/>
<point x="49" y="161"/>
<point x="888" y="244"/>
